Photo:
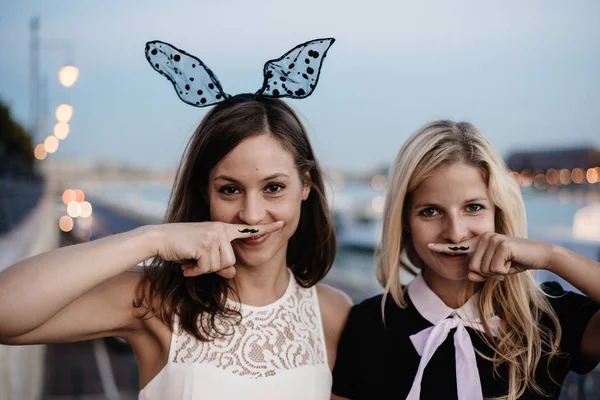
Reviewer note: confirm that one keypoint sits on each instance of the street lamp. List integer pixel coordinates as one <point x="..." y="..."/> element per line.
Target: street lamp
<point x="61" y="130"/>
<point x="64" y="112"/>
<point x="39" y="152"/>
<point x="68" y="75"/>
<point x="51" y="144"/>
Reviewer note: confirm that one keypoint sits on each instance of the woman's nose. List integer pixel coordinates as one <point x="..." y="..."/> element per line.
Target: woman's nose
<point x="455" y="229"/>
<point x="253" y="210"/>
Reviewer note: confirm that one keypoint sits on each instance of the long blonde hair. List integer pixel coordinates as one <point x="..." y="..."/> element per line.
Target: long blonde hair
<point x="518" y="300"/>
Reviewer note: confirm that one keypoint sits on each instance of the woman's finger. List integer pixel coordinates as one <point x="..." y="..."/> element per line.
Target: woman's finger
<point x="239" y="231"/>
<point x="488" y="255"/>
<point x="500" y="262"/>
<point x="475" y="264"/>
<point x="215" y="259"/>
<point x="228" y="272"/>
<point x="475" y="277"/>
<point x="202" y="265"/>
<point x="186" y="266"/>
<point x="226" y="253"/>
<point x="465" y="247"/>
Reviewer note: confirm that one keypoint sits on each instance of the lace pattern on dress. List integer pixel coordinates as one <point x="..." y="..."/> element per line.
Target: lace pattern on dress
<point x="268" y="340"/>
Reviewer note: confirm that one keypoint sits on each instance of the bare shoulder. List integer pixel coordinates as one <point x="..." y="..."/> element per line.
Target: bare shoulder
<point x="336" y="299"/>
<point x="335" y="306"/>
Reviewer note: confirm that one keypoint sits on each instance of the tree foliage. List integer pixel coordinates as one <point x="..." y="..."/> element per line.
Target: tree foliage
<point x="16" y="143"/>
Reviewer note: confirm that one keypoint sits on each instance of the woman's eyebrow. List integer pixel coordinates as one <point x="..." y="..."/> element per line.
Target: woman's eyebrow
<point x="434" y="205"/>
<point x="276" y="175"/>
<point x="480" y="198"/>
<point x="268" y="178"/>
<point x="427" y="205"/>
<point x="226" y="178"/>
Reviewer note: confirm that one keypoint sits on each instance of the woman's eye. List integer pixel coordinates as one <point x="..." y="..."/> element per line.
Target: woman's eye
<point x="229" y="190"/>
<point x="474" y="207"/>
<point x="274" y="188"/>
<point x="428" y="212"/>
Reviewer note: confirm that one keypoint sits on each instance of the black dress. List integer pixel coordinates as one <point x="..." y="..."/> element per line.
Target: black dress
<point x="377" y="362"/>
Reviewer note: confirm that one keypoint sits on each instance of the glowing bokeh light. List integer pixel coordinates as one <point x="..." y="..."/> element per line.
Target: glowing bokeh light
<point x="65" y="223"/>
<point x="378" y="204"/>
<point x="61" y="130"/>
<point x="68" y="75"/>
<point x="515" y="175"/>
<point x="526" y="178"/>
<point x="552" y="177"/>
<point x="592" y="175"/>
<point x="68" y="196"/>
<point x="39" y="152"/>
<point x="86" y="209"/>
<point x="540" y="181"/>
<point x="74" y="209"/>
<point x="565" y="176"/>
<point x="51" y="144"/>
<point x="378" y="182"/>
<point x="577" y="175"/>
<point x="79" y="195"/>
<point x="586" y="223"/>
<point x="63" y="113"/>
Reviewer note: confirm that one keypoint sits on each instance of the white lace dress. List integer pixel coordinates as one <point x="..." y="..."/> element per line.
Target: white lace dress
<point x="276" y="352"/>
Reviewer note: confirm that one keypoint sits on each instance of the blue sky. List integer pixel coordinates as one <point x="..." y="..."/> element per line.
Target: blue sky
<point x="526" y="72"/>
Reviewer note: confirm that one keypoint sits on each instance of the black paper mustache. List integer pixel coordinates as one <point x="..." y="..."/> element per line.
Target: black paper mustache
<point x="458" y="248"/>
<point x="248" y="230"/>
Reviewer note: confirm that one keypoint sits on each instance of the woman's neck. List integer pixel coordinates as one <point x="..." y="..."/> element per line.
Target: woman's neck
<point x="453" y="293"/>
<point x="259" y="286"/>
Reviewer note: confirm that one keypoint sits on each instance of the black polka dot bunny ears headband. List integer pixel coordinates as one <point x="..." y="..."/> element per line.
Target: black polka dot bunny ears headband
<point x="295" y="74"/>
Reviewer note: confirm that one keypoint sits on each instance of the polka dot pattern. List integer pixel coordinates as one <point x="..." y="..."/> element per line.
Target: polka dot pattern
<point x="296" y="73"/>
<point x="193" y="81"/>
<point x="293" y="75"/>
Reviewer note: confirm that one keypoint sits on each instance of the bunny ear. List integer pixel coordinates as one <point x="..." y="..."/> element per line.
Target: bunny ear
<point x="296" y="73"/>
<point x="194" y="83"/>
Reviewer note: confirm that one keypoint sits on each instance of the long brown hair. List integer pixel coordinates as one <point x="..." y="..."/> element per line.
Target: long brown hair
<point x="163" y="290"/>
<point x="518" y="300"/>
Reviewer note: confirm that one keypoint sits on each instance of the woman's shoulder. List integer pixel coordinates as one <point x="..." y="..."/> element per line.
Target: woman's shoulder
<point x="568" y="304"/>
<point x="333" y="297"/>
<point x="373" y="305"/>
<point x="335" y="304"/>
<point x="574" y="311"/>
<point x="368" y="312"/>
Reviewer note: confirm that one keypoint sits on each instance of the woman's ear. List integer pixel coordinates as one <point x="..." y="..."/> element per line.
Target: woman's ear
<point x="306" y="185"/>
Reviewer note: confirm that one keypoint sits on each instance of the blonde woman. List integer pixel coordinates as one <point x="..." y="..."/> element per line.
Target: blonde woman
<point x="473" y="323"/>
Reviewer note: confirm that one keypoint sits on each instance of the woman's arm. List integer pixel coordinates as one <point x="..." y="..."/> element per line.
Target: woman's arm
<point x="36" y="289"/>
<point x="584" y="274"/>
<point x="81" y="291"/>
<point x="579" y="271"/>
<point x="496" y="255"/>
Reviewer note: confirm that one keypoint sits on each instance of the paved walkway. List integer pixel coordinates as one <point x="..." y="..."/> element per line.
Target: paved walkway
<point x="21" y="367"/>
